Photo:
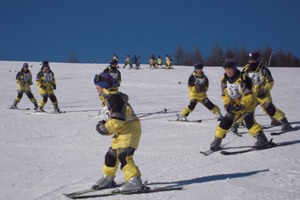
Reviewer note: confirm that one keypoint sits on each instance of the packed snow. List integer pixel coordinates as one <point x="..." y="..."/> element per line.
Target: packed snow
<point x="45" y="155"/>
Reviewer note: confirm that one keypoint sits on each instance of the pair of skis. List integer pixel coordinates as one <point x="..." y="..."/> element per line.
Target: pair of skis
<point x="187" y="121"/>
<point x="91" y="193"/>
<point x="19" y="108"/>
<point x="224" y="150"/>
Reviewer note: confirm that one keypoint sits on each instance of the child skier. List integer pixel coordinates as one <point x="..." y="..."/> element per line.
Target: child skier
<point x="24" y="81"/>
<point x="198" y="85"/>
<point x="119" y="120"/>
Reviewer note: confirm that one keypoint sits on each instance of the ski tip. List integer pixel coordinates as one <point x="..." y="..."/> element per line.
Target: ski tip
<point x="206" y="153"/>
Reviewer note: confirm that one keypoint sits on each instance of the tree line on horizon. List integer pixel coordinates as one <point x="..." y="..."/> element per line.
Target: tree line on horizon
<point x="218" y="55"/>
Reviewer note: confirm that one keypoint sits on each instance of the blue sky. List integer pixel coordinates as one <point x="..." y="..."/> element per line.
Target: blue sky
<point x="36" y="30"/>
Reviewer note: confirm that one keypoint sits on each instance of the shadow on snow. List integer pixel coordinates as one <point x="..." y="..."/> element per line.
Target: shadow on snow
<point x="205" y="179"/>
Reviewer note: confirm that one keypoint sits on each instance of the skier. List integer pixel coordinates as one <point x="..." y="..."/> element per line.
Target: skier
<point x="128" y="62"/>
<point x="46" y="83"/>
<point x="159" y="62"/>
<point x="152" y="61"/>
<point x="238" y="102"/>
<point x="137" y="62"/>
<point x="168" y="62"/>
<point x="120" y="121"/>
<point x="116" y="58"/>
<point x="262" y="84"/>
<point x="198" y="85"/>
<point x="24" y="81"/>
<point x="113" y="71"/>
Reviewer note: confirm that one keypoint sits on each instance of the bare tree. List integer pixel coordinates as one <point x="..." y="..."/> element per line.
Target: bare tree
<point x="179" y="56"/>
<point x="72" y="58"/>
<point x="188" y="59"/>
<point x="241" y="56"/>
<point x="216" y="57"/>
<point x="197" y="56"/>
<point x="229" y="53"/>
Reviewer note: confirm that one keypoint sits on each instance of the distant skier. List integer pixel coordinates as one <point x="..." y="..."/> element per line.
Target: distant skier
<point x="113" y="71"/>
<point x="135" y="60"/>
<point x="116" y="58"/>
<point x="46" y="83"/>
<point x="152" y="62"/>
<point x="159" y="62"/>
<point x="168" y="62"/>
<point x="262" y="84"/>
<point x="238" y="102"/>
<point x="24" y="81"/>
<point x="118" y="119"/>
<point x="128" y="62"/>
<point x="198" y="85"/>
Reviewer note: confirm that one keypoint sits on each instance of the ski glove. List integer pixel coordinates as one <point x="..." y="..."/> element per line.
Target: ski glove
<point x="237" y="108"/>
<point x="200" y="88"/>
<point x="101" y="129"/>
<point x="262" y="93"/>
<point x="43" y="87"/>
<point x="54" y="87"/>
<point x="228" y="107"/>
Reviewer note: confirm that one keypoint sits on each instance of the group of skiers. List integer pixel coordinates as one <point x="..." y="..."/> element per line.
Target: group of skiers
<point x="46" y="84"/>
<point x="241" y="92"/>
<point x="153" y="62"/>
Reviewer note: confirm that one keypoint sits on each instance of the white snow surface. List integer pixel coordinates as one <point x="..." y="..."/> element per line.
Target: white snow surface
<point x="43" y="156"/>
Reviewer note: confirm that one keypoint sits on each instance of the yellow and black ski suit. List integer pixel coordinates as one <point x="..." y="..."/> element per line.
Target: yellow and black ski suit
<point x="198" y="85"/>
<point x="46" y="84"/>
<point x="237" y="92"/>
<point x="263" y="82"/>
<point x="24" y="81"/>
<point x="126" y="129"/>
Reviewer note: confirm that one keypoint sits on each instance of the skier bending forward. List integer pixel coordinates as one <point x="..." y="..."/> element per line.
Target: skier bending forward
<point x="121" y="122"/>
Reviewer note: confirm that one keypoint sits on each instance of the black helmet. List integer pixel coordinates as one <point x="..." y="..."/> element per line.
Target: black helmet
<point x="254" y="56"/>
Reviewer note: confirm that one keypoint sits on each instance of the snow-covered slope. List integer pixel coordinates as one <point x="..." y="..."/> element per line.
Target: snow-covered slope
<point x="44" y="155"/>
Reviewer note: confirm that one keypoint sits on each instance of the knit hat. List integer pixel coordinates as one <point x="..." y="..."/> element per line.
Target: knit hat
<point x="45" y="64"/>
<point x="230" y="63"/>
<point x="25" y="65"/>
<point x="198" y="66"/>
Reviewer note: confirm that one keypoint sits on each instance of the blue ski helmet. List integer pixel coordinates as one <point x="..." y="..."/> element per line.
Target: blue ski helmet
<point x="105" y="80"/>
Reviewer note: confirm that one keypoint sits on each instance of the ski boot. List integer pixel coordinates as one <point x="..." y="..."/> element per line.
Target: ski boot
<point x="56" y="109"/>
<point x="262" y="141"/>
<point x="181" y="117"/>
<point x="216" y="144"/>
<point x="274" y="122"/>
<point x="104" y="182"/>
<point x="14" y="105"/>
<point x="40" y="109"/>
<point x="285" y="125"/>
<point x="36" y="107"/>
<point x="134" y="184"/>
